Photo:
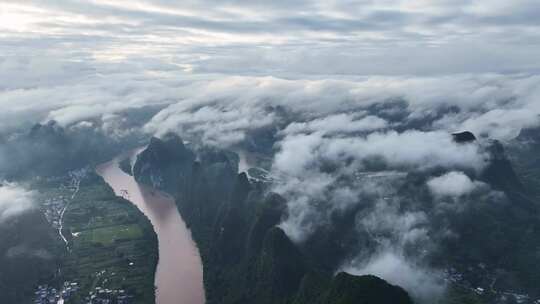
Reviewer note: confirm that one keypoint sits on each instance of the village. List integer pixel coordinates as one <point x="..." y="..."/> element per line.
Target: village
<point x="452" y="276"/>
<point x="46" y="294"/>
<point x="54" y="207"/>
<point x="98" y="229"/>
<point x="107" y="296"/>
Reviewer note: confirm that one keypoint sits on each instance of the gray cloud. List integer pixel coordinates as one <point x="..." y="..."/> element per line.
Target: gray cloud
<point x="346" y="37"/>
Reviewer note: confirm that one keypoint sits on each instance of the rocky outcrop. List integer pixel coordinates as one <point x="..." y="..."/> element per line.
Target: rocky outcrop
<point x="165" y="163"/>
<point x="500" y="173"/>
<point x="125" y="165"/>
<point x="367" y="289"/>
<point x="246" y="257"/>
<point x="463" y="137"/>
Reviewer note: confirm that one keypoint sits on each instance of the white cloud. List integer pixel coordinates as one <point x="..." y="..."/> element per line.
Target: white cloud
<point x="338" y="123"/>
<point x="228" y="106"/>
<point x="221" y="109"/>
<point x="452" y="184"/>
<point x="302" y="164"/>
<point x="422" y="283"/>
<point x="408" y="227"/>
<point x="502" y="124"/>
<point x="14" y="200"/>
<point x="408" y="149"/>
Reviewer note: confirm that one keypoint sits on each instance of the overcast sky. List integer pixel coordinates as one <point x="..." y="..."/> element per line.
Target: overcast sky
<point x="71" y="60"/>
<point x="358" y="37"/>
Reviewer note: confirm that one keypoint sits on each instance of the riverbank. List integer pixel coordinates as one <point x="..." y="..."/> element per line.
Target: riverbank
<point x="179" y="275"/>
<point x="112" y="248"/>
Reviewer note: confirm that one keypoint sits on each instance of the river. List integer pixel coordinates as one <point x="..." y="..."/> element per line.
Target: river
<point x="179" y="274"/>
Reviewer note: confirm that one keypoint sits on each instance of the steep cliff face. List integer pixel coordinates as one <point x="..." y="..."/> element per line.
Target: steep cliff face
<point x="348" y="289"/>
<point x="246" y="258"/>
<point x="500" y="172"/>
<point x="503" y="217"/>
<point x="164" y="164"/>
<point x="279" y="268"/>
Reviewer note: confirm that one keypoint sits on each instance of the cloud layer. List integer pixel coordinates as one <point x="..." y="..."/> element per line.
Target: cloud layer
<point x="309" y="37"/>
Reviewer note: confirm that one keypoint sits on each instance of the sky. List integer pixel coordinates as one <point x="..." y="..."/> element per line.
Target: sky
<point x="290" y="38"/>
<point x="71" y="60"/>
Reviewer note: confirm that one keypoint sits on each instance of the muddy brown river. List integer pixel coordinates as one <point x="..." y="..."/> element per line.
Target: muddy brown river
<point x="179" y="275"/>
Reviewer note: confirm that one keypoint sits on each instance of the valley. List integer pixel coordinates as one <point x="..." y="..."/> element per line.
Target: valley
<point x="179" y="276"/>
<point x="105" y="250"/>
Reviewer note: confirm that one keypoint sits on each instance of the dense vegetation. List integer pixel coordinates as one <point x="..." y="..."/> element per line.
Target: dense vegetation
<point x="246" y="258"/>
<point x="125" y="165"/>
<point x="110" y="244"/>
<point x="112" y="238"/>
<point x="30" y="252"/>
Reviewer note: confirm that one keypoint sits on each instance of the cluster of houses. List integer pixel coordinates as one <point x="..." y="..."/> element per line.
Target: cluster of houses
<point x="53" y="207"/>
<point x="46" y="294"/>
<point x="504" y="297"/>
<point x="453" y="276"/>
<point x="75" y="178"/>
<point x="107" y="296"/>
<point x="77" y="175"/>
<point x="53" y="210"/>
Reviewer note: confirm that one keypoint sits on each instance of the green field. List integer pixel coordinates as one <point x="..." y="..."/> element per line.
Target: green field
<point x="108" y="235"/>
<point x="112" y="244"/>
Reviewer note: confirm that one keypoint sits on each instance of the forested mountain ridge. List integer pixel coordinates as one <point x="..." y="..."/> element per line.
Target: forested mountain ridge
<point x="235" y="220"/>
<point x="246" y="257"/>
